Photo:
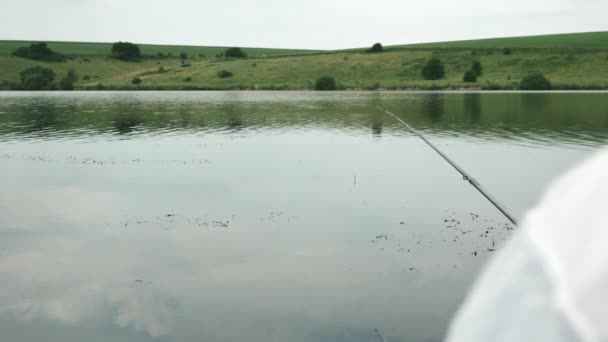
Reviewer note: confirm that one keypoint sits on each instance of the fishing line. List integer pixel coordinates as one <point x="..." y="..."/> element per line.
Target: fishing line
<point x="464" y="174"/>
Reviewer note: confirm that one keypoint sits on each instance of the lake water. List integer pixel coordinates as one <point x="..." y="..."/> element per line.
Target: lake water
<point x="254" y="216"/>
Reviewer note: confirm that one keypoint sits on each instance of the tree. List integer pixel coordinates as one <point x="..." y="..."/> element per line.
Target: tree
<point x="37" y="78"/>
<point x="376" y="48"/>
<point x="433" y="70"/>
<point x="507" y="51"/>
<point x="477" y="68"/>
<point x="235" y="52"/>
<point x="39" y="52"/>
<point x="67" y="83"/>
<point x="326" y="83"/>
<point x="224" y="74"/>
<point x="535" y="82"/>
<point x="136" y="81"/>
<point x="470" y="76"/>
<point x="126" y="51"/>
<point x="183" y="55"/>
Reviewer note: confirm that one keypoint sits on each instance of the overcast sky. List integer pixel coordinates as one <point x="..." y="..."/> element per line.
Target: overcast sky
<point x="315" y="24"/>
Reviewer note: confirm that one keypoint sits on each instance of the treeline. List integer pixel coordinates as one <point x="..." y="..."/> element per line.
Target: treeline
<point x="123" y="51"/>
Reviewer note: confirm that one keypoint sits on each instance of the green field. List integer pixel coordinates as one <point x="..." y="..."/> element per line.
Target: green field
<point x="573" y="61"/>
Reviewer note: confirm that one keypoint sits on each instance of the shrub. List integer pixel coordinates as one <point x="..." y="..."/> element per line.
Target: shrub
<point x="126" y="51"/>
<point x="39" y="52"/>
<point x="376" y="48"/>
<point x="433" y="70"/>
<point x="37" y="78"/>
<point x="86" y="77"/>
<point x="183" y="55"/>
<point x="67" y="83"/>
<point x="136" y="81"/>
<point x="161" y="69"/>
<point x="254" y="65"/>
<point x="224" y="74"/>
<point x="235" y="52"/>
<point x="535" y="82"/>
<point x="477" y="68"/>
<point x="507" y="51"/>
<point x="326" y="83"/>
<point x="5" y="85"/>
<point x="470" y="76"/>
<point x="188" y="79"/>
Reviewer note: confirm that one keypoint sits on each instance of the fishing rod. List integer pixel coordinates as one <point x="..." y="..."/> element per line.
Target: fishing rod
<point x="464" y="174"/>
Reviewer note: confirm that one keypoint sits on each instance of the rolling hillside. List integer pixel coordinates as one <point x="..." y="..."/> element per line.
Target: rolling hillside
<point x="570" y="61"/>
<point x="588" y="40"/>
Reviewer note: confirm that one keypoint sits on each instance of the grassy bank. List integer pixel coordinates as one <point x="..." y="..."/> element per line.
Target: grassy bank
<point x="576" y="61"/>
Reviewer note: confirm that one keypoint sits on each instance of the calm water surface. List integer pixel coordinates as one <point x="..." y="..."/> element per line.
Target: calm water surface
<point x="237" y="216"/>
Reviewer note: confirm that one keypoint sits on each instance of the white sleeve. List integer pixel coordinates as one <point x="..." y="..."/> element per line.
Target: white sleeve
<point x="550" y="283"/>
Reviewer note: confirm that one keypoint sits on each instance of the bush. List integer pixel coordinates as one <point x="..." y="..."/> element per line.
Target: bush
<point x="326" y="83"/>
<point x="188" y="79"/>
<point x="161" y="69"/>
<point x="535" y="82"/>
<point x="126" y="51"/>
<point x="183" y="55"/>
<point x="39" y="52"/>
<point x="86" y="77"/>
<point x="477" y="68"/>
<point x="224" y="74"/>
<point x="433" y="70"/>
<point x="136" y="81"/>
<point x="37" y="78"/>
<point x="5" y="85"/>
<point x="470" y="76"/>
<point x="235" y="52"/>
<point x="67" y="83"/>
<point x="507" y="51"/>
<point x="376" y="48"/>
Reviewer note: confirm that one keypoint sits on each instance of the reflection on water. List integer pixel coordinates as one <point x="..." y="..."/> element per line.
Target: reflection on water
<point x="525" y="117"/>
<point x="263" y="216"/>
<point x="472" y="106"/>
<point x="434" y="106"/>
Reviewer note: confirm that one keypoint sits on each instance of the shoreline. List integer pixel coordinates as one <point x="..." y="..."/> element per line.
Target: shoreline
<point x="412" y="90"/>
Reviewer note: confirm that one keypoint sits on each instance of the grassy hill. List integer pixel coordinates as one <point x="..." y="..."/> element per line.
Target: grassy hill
<point x="90" y="49"/>
<point x="588" y="40"/>
<point x="570" y="61"/>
